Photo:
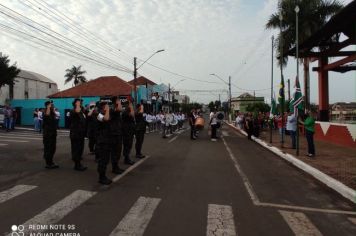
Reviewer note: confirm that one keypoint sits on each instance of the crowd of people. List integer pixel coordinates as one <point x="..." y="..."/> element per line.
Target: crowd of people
<point x="286" y="125"/>
<point x="10" y="118"/>
<point x="110" y="128"/>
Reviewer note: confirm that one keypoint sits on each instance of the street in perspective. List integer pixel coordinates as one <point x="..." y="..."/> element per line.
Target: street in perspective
<point x="177" y="118"/>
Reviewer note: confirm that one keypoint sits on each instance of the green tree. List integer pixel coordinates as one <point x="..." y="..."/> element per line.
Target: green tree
<point x="258" y="107"/>
<point x="211" y="105"/>
<point x="76" y="75"/>
<point x="8" y="72"/>
<point x="313" y="15"/>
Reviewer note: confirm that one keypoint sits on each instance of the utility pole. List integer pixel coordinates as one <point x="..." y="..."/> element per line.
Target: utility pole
<point x="169" y="98"/>
<point x="219" y="102"/>
<point x="281" y="68"/>
<point x="229" y="97"/>
<point x="288" y="81"/>
<point x="135" y="81"/>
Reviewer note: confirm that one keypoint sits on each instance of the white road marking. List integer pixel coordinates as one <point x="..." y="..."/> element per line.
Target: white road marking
<point x="3" y="144"/>
<point x="14" y="192"/>
<point x="247" y="183"/>
<point x="14" y="141"/>
<point x="257" y="202"/>
<point x="20" y="137"/>
<point x="172" y="139"/>
<point x="136" y="220"/>
<point x="118" y="177"/>
<point x="220" y="221"/>
<point x="353" y="220"/>
<point x="299" y="223"/>
<point x="57" y="211"/>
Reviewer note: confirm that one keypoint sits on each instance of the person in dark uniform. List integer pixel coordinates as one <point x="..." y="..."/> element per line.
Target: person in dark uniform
<point x="77" y="133"/>
<point x="128" y="131"/>
<point x="191" y="118"/>
<point x="116" y="135"/>
<point x="140" y="130"/>
<point x="92" y="124"/>
<point x="103" y="145"/>
<point x="49" y="135"/>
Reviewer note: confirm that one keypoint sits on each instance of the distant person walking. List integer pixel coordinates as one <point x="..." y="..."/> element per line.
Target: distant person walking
<point x="213" y="123"/>
<point x="35" y="120"/>
<point x="40" y="119"/>
<point x="249" y="125"/>
<point x="309" y="125"/>
<point x="8" y="114"/>
<point x="292" y="128"/>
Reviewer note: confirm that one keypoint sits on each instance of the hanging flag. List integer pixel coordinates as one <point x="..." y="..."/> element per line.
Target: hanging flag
<point x="273" y="106"/>
<point x="281" y="97"/>
<point x="296" y="103"/>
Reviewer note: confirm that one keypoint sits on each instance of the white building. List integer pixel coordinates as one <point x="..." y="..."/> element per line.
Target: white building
<point x="28" y="85"/>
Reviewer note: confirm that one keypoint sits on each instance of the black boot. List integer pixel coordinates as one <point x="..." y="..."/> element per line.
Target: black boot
<point x="78" y="166"/>
<point x="117" y="170"/>
<point x="104" y="180"/>
<point x="51" y="165"/>
<point x="128" y="161"/>
<point x="140" y="156"/>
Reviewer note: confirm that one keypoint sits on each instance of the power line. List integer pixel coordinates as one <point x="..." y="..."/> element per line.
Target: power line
<point x="61" y="39"/>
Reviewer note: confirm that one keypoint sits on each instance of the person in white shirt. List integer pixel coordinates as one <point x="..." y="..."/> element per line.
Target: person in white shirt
<point x="213" y="123"/>
<point x="40" y="119"/>
<point x="292" y="128"/>
<point x="58" y="116"/>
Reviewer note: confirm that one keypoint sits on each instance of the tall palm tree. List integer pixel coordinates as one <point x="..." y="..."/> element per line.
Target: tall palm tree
<point x="313" y="15"/>
<point x="76" y="75"/>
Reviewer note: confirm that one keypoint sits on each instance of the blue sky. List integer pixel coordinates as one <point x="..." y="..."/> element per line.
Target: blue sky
<point x="200" y="37"/>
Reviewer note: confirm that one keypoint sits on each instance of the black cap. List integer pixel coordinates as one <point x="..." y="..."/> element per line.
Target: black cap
<point x="75" y="100"/>
<point x="48" y="102"/>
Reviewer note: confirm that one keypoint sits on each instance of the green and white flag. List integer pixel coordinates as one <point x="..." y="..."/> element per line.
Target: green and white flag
<point x="296" y="103"/>
<point x="281" y="96"/>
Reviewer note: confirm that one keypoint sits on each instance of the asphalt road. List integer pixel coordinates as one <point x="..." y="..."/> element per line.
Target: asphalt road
<point x="228" y="187"/>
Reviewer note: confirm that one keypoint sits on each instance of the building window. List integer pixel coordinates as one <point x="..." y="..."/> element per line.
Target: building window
<point x="49" y="85"/>
<point x="26" y="94"/>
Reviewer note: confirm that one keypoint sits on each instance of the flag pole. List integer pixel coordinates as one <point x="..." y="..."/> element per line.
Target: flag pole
<point x="271" y="117"/>
<point x="297" y="57"/>
<point x="281" y="67"/>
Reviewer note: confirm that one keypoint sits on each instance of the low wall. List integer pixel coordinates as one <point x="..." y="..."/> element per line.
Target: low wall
<point x="342" y="134"/>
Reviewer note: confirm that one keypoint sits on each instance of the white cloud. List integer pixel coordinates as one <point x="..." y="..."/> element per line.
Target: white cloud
<point x="225" y="37"/>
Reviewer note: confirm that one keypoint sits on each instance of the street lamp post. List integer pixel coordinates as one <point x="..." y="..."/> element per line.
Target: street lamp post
<point x="229" y="84"/>
<point x="271" y="115"/>
<point x="135" y="72"/>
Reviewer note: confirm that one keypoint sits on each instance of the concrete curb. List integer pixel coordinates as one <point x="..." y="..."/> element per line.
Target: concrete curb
<point x="332" y="183"/>
<point x="31" y="129"/>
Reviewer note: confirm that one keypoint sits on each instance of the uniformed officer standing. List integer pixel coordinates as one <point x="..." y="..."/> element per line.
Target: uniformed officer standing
<point x="128" y="131"/>
<point x="49" y="135"/>
<point x="116" y="135"/>
<point x="140" y="130"/>
<point x="92" y="124"/>
<point x="77" y="133"/>
<point x="103" y="145"/>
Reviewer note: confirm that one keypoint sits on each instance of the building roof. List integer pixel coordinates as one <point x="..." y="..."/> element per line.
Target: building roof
<point x="345" y="106"/>
<point x="343" y="22"/>
<point x="102" y="86"/>
<point x="142" y="81"/>
<point x="24" y="74"/>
